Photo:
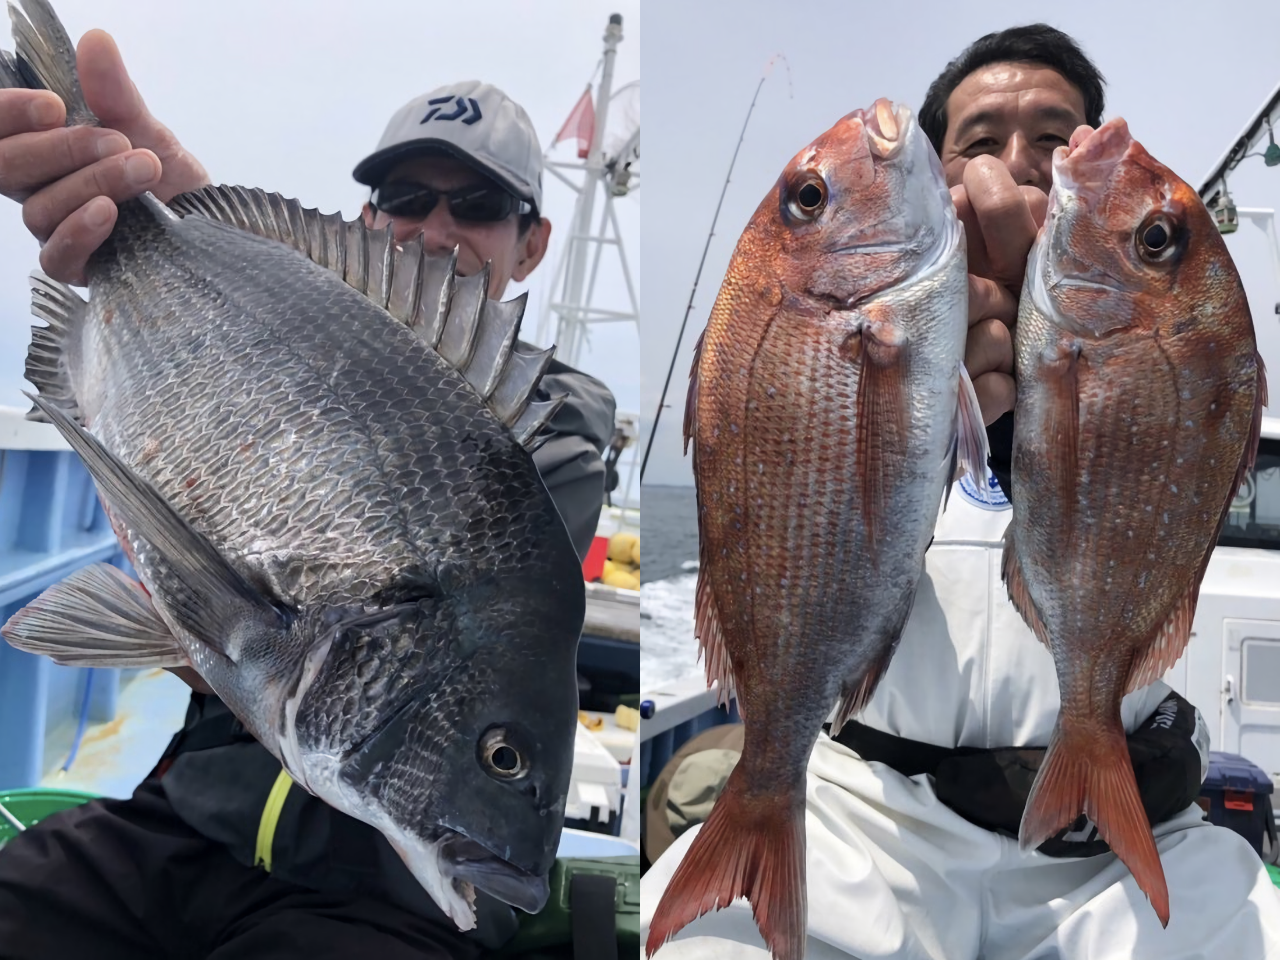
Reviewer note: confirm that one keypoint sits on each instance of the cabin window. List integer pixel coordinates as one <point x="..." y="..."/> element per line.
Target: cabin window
<point x="1262" y="672"/>
<point x="1254" y="518"/>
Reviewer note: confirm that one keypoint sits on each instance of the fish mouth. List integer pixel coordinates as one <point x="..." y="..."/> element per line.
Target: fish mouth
<point x="476" y="864"/>
<point x="1082" y="283"/>
<point x="877" y="247"/>
<point x="884" y="127"/>
<point x="1088" y="168"/>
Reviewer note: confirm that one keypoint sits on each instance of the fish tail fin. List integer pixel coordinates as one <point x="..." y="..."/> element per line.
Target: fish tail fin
<point x="1093" y="774"/>
<point x="45" y="59"/>
<point x="751" y="848"/>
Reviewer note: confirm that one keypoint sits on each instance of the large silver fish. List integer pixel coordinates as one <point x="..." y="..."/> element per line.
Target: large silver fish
<point x="312" y="444"/>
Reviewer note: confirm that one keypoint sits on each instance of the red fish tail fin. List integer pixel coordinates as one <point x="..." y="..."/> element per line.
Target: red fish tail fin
<point x="1092" y="774"/>
<point x="751" y="848"/>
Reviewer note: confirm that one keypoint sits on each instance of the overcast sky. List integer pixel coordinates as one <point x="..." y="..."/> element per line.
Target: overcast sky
<point x="288" y="95"/>
<point x="1185" y="81"/>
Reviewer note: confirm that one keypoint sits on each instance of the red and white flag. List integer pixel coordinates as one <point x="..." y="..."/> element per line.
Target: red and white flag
<point x="581" y="124"/>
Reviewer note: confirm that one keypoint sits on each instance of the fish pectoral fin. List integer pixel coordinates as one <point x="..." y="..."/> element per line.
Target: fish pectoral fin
<point x="453" y="315"/>
<point x="218" y="605"/>
<point x="972" y="450"/>
<point x="97" y="617"/>
<point x="1061" y="376"/>
<point x="881" y="350"/>
<point x="1167" y="645"/>
<point x="1016" y="586"/>
<point x="64" y="310"/>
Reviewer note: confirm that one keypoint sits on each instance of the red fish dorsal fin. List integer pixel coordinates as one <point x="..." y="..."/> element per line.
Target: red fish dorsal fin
<point x="706" y="628"/>
<point x="1171" y="640"/>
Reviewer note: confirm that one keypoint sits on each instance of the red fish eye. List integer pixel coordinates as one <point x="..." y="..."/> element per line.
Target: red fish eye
<point x="808" y="197"/>
<point x="1155" y="237"/>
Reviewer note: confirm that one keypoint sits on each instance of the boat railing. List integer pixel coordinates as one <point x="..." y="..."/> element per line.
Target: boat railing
<point x="673" y="713"/>
<point x="51" y="524"/>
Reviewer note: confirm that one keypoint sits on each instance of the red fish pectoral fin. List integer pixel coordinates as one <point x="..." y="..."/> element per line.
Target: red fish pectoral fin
<point x="882" y="353"/>
<point x="1061" y="377"/>
<point x="1092" y="774"/>
<point x="1016" y="585"/>
<point x="1169" y="643"/>
<point x="749" y="847"/>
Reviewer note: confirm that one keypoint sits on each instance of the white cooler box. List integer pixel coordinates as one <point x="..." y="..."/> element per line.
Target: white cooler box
<point x="596" y="780"/>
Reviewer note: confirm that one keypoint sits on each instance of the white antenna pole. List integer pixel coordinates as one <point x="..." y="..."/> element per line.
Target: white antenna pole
<point x="570" y="330"/>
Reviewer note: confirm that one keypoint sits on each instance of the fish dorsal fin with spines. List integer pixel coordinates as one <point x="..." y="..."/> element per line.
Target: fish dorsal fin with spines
<point x="63" y="309"/>
<point x="46" y="58"/>
<point x="451" y="314"/>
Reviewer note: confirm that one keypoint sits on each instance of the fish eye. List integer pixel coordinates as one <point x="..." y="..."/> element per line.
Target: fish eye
<point x="1156" y="237"/>
<point x="500" y="756"/>
<point x="808" y="196"/>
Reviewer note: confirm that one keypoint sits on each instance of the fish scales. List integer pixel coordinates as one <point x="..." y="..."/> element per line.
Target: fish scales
<point x="354" y="382"/>
<point x="823" y="414"/>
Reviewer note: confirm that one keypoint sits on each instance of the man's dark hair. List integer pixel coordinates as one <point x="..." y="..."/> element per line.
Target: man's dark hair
<point x="1036" y="43"/>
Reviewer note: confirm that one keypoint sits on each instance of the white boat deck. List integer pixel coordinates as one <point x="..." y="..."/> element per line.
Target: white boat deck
<point x="115" y="756"/>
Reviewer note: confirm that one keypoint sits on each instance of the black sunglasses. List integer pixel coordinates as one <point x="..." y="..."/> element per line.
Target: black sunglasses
<point x="415" y="201"/>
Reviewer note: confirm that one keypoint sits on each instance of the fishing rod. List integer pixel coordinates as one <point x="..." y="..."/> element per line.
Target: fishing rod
<point x="689" y="309"/>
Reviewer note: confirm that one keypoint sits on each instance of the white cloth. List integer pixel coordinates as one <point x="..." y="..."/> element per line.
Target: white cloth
<point x="894" y="873"/>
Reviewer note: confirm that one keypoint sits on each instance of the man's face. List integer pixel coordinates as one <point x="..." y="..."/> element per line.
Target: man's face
<point x="1015" y="112"/>
<point x="513" y="256"/>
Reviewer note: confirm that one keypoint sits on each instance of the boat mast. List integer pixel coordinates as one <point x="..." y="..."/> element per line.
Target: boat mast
<point x="570" y="309"/>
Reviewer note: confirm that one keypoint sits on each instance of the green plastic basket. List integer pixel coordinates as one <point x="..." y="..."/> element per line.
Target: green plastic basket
<point x="33" y="804"/>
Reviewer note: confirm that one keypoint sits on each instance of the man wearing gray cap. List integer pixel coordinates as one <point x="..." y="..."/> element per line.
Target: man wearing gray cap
<point x="177" y="869"/>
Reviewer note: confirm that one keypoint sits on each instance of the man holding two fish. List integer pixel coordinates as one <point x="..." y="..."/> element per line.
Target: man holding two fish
<point x="906" y="866"/>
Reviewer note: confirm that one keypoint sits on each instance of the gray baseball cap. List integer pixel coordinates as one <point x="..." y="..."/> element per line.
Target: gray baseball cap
<point x="476" y="123"/>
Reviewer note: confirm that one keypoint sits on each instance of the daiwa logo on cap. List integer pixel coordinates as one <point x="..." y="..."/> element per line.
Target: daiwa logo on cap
<point x="465" y="106"/>
<point x="990" y="498"/>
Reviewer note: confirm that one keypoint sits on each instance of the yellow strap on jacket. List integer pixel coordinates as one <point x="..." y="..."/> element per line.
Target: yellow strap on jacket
<point x="270" y="817"/>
